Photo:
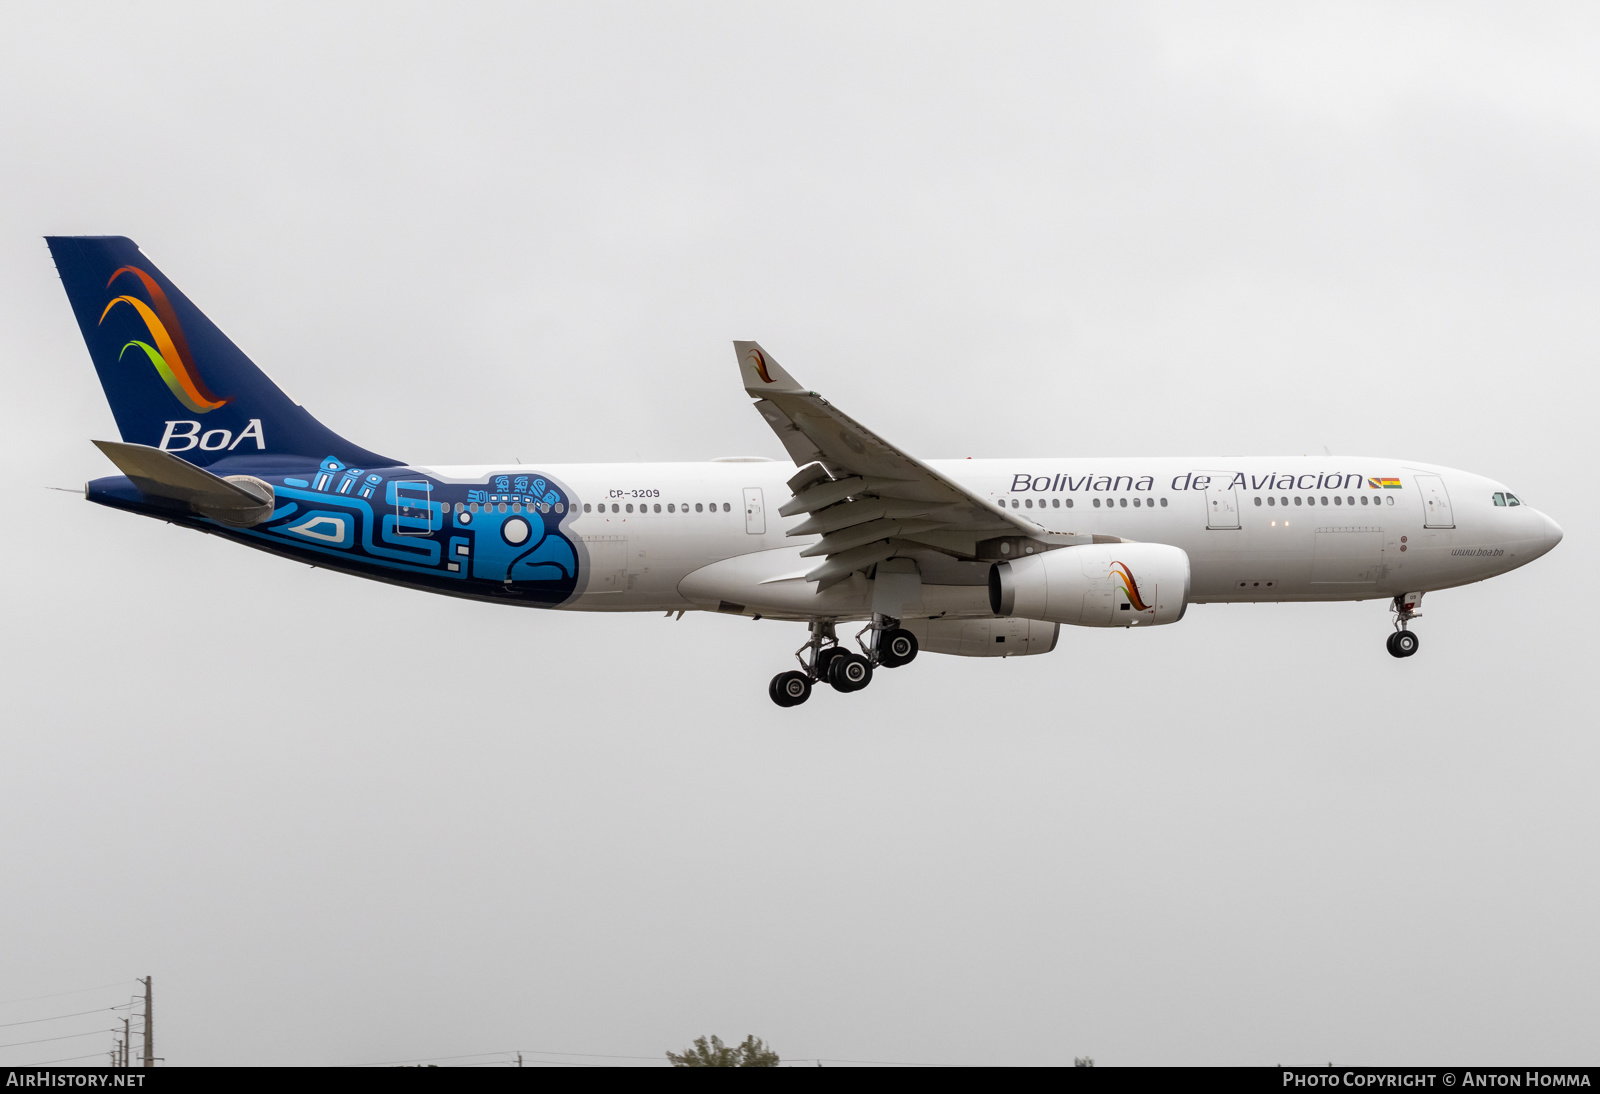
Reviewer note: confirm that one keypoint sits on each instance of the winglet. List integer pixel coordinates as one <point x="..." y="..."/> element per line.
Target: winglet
<point x="762" y="375"/>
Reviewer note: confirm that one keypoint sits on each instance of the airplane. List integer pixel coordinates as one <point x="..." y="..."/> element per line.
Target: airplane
<point x="970" y="558"/>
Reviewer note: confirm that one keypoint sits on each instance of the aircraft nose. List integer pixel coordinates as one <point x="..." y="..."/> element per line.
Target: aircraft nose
<point x="1552" y="533"/>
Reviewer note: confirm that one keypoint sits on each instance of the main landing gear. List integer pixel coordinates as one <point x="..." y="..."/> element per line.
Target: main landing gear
<point x="823" y="659"/>
<point x="1402" y="643"/>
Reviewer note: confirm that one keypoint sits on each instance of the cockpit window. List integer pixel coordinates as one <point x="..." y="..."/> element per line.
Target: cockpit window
<point x="1499" y="499"/>
<point x="1511" y="499"/>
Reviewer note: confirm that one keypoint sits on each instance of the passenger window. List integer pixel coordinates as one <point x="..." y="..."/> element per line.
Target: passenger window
<point x="1150" y="503"/>
<point x="1363" y="499"/>
<point x="1136" y="503"/>
<point x="1097" y="503"/>
<point x="1055" y="503"/>
<point x="1337" y="500"/>
<point x="1122" y="502"/>
<point x="1297" y="499"/>
<point x="1258" y="501"/>
<point x="1069" y="503"/>
<point x="1283" y="501"/>
<point x="697" y="507"/>
<point x="1272" y="501"/>
<point x="1163" y="503"/>
<point x="1030" y="503"/>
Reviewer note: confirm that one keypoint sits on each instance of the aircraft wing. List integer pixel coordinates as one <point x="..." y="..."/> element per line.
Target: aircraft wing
<point x="866" y="498"/>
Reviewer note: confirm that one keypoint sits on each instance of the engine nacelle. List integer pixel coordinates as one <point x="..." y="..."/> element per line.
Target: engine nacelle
<point x="1095" y="585"/>
<point x="984" y="637"/>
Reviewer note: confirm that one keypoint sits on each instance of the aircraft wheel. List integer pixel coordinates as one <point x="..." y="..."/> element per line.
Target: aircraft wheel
<point x="1403" y="644"/>
<point x="825" y="660"/>
<point x="897" y="647"/>
<point x="850" y="672"/>
<point x="789" y="689"/>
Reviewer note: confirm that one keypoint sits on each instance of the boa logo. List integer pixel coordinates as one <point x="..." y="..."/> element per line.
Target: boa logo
<point x="760" y="362"/>
<point x="170" y="355"/>
<point x="212" y="440"/>
<point x="1124" y="576"/>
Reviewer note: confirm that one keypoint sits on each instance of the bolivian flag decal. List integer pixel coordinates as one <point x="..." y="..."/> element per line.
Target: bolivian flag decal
<point x="1384" y="484"/>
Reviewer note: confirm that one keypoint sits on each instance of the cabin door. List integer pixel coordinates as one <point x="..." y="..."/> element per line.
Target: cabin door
<point x="1222" y="507"/>
<point x="413" y="513"/>
<point x="1435" y="503"/>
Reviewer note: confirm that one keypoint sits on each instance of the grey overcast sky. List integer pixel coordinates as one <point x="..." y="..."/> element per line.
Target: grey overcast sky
<point x="343" y="823"/>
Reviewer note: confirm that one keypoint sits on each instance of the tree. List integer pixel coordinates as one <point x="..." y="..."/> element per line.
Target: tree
<point x="752" y="1053"/>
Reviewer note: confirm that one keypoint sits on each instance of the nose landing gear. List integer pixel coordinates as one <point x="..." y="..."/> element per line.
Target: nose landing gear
<point x="823" y="660"/>
<point x="1402" y="643"/>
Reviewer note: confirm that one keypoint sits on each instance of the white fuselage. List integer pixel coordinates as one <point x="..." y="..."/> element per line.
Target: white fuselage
<point x="677" y="536"/>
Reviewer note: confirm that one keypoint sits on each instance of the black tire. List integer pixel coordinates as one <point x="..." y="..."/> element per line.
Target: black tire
<point x="789" y="689"/>
<point x="897" y="647"/>
<point x="825" y="660"/>
<point x="1405" y="644"/>
<point x="1388" y="644"/>
<point x="850" y="672"/>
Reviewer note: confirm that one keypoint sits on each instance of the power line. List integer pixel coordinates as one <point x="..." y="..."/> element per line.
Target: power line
<point x="511" y="1051"/>
<point x="63" y="1037"/>
<point x="63" y="1060"/>
<point x="431" y="1059"/>
<point x="57" y="1018"/>
<point x="59" y="994"/>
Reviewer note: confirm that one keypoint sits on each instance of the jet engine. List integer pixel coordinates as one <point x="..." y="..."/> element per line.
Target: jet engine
<point x="1095" y="585"/>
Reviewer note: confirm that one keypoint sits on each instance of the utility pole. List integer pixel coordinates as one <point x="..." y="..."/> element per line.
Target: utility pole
<point x="149" y="1039"/>
<point x="127" y="1039"/>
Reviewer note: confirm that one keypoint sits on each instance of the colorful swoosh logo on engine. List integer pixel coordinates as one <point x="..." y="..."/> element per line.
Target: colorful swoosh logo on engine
<point x="1124" y="575"/>
<point x="170" y="355"/>
<point x="756" y="358"/>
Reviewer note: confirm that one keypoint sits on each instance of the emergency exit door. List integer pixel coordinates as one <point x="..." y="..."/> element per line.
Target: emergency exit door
<point x="755" y="515"/>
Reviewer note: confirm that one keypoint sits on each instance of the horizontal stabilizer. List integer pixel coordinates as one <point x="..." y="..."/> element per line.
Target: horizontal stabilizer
<point x="238" y="500"/>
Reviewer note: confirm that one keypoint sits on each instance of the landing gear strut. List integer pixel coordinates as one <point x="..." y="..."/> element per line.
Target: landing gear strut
<point x="817" y="658"/>
<point x="1402" y="643"/>
<point x="823" y="660"/>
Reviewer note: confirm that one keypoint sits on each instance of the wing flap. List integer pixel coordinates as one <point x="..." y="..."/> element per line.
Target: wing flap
<point x="866" y="497"/>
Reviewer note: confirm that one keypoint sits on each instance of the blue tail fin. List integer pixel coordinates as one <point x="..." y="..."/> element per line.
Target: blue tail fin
<point x="175" y="381"/>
